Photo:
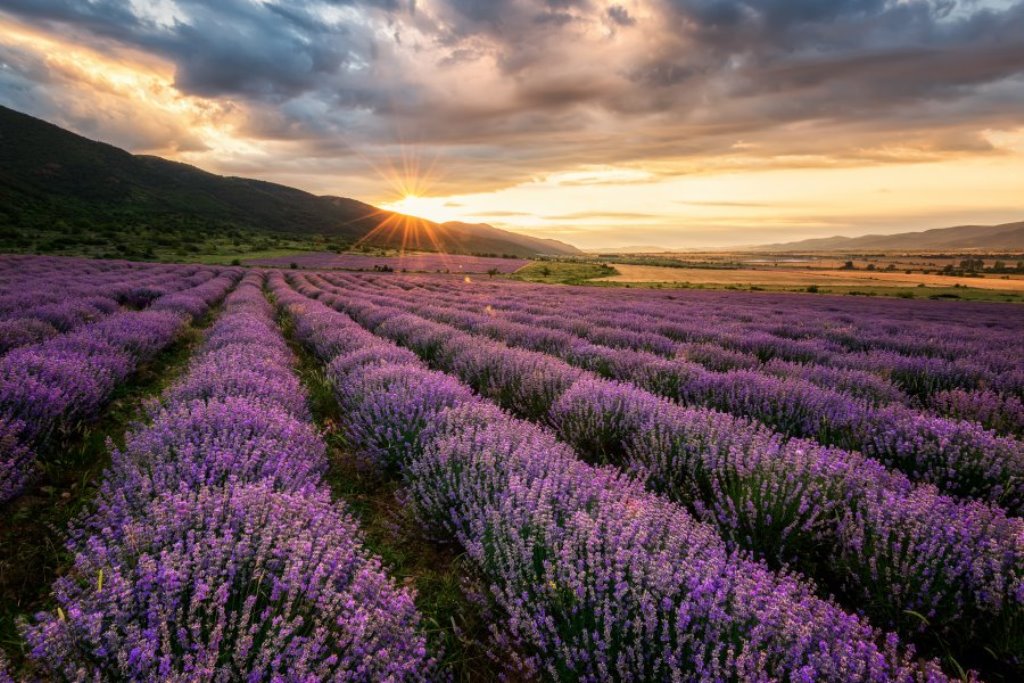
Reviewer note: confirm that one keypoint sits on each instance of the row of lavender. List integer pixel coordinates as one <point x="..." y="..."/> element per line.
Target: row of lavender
<point x="214" y="552"/>
<point x="957" y="386"/>
<point x="739" y="341"/>
<point x="872" y="374"/>
<point x="26" y="282"/>
<point x="598" y="579"/>
<point x="46" y="298"/>
<point x="19" y="271"/>
<point x="49" y="389"/>
<point x="959" y="456"/>
<point x="957" y="383"/>
<point x="816" y="328"/>
<point x="412" y="262"/>
<point x="975" y="372"/>
<point x="891" y="548"/>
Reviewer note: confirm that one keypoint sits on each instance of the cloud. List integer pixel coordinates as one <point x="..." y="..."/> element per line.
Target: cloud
<point x="551" y="88"/>
<point x="271" y="51"/>
<point x="727" y="204"/>
<point x="620" y="15"/>
<point x="604" y="216"/>
<point x="96" y="96"/>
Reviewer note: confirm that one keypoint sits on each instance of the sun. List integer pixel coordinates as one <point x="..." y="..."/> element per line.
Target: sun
<point x="437" y="209"/>
<point x="414" y="178"/>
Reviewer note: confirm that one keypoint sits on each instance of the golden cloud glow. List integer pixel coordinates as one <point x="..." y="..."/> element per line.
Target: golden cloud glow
<point x="130" y="98"/>
<point x="755" y="206"/>
<point x="594" y="174"/>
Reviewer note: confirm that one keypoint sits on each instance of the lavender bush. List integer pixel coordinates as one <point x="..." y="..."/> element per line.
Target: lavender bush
<point x="1004" y="414"/>
<point x="793" y="502"/>
<point x="210" y="443"/>
<point x="213" y="552"/>
<point x="593" y="572"/>
<point x="52" y="387"/>
<point x="222" y="584"/>
<point x="992" y="467"/>
<point x="16" y="461"/>
<point x="388" y="406"/>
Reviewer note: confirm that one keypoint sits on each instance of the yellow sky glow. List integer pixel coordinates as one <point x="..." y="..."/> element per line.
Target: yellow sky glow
<point x="683" y="201"/>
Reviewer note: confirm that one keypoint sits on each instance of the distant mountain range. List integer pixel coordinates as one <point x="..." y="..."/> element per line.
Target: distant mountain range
<point x="1008" y="236"/>
<point x="52" y="177"/>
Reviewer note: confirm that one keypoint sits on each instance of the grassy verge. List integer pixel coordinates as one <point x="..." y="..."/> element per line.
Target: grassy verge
<point x="34" y="525"/>
<point x="554" y="272"/>
<point x="457" y="627"/>
<point x="228" y="258"/>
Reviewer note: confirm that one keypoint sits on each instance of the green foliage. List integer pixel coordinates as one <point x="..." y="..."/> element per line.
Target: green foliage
<point x="64" y="194"/>
<point x="566" y="273"/>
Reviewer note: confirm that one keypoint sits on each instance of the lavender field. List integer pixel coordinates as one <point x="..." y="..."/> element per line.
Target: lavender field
<point x="416" y="263"/>
<point x="614" y="484"/>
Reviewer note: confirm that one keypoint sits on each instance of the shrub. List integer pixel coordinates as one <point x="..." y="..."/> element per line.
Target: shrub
<point x="229" y="584"/>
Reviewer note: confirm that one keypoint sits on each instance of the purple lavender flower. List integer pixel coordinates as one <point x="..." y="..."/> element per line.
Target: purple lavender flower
<point x="379" y="353"/>
<point x="792" y="404"/>
<point x="16" y="459"/>
<point x="210" y="443"/>
<point x="601" y="580"/>
<point x="525" y="382"/>
<point x="233" y="372"/>
<point x="959" y="457"/>
<point x="5" y="677"/>
<point x="22" y="332"/>
<point x="236" y="583"/>
<point x="791" y="501"/>
<point x="991" y="409"/>
<point x="387" y="406"/>
<point x="212" y="552"/>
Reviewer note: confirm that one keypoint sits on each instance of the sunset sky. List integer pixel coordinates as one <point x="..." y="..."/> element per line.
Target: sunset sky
<point x="676" y="123"/>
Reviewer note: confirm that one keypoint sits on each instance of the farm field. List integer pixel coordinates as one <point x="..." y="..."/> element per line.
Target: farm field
<point x="268" y="473"/>
<point x="791" y="276"/>
<point x="920" y="261"/>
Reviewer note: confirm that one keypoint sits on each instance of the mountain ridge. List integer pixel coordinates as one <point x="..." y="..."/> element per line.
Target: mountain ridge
<point x="1001" y="236"/>
<point x="50" y="176"/>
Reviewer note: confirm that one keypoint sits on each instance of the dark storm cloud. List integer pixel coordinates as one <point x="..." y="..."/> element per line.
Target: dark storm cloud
<point x="577" y="81"/>
<point x="620" y="15"/>
<point x="884" y="49"/>
<point x="270" y="51"/>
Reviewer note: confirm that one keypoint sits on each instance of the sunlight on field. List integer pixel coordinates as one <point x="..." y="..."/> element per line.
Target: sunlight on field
<point x="803" y="278"/>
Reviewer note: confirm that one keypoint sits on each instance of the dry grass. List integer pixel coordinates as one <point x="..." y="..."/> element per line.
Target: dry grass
<point x="792" y="277"/>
